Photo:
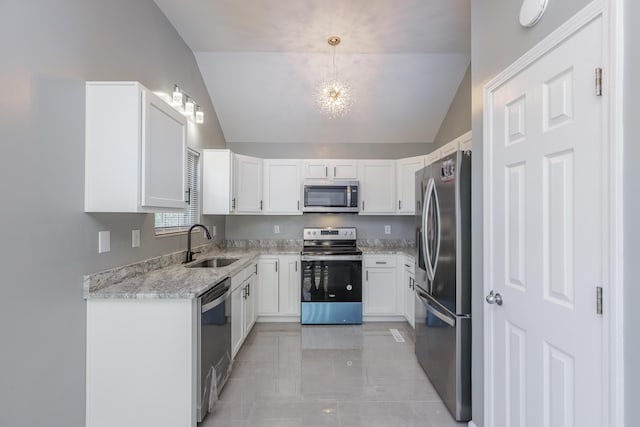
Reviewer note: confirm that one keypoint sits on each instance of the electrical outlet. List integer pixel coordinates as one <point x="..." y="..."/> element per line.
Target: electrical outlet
<point x="104" y="241"/>
<point x="135" y="238"/>
<point x="276" y="229"/>
<point x="213" y="231"/>
<point x="387" y="229"/>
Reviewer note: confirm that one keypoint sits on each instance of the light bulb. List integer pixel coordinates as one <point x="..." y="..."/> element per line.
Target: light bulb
<point x="199" y="115"/>
<point x="177" y="99"/>
<point x="189" y="106"/>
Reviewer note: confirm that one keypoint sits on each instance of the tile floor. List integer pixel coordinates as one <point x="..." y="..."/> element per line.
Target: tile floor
<point x="288" y="375"/>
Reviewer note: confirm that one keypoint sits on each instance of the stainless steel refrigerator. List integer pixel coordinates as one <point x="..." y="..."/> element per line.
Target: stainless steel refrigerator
<point x="443" y="279"/>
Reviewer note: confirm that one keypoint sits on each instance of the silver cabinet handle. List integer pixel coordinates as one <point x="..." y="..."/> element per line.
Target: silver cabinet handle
<point x="399" y="204"/>
<point x="260" y="204"/>
<point x="298" y="204"/>
<point x="248" y="289"/>
<point x="363" y="205"/>
<point x="334" y="172"/>
<point x="494" y="298"/>
<point x="276" y="266"/>
<point x="296" y="266"/>
<point x="326" y="171"/>
<point x="381" y="262"/>
<point x="367" y="274"/>
<point x="233" y="203"/>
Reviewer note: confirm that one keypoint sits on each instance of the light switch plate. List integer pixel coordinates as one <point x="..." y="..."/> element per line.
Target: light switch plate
<point x="387" y="229"/>
<point x="276" y="229"/>
<point x="104" y="241"/>
<point x="135" y="238"/>
<point x="214" y="231"/>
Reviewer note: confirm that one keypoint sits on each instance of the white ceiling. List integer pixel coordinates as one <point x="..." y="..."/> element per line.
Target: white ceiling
<point x="261" y="60"/>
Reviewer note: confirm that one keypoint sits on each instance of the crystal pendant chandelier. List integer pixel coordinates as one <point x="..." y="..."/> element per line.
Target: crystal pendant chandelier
<point x="333" y="95"/>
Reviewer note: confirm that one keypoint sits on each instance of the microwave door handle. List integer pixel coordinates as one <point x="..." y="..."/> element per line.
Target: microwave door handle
<point x="348" y="196"/>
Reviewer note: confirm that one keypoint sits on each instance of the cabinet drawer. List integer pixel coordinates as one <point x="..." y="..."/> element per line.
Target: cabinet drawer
<point x="380" y="261"/>
<point x="238" y="279"/>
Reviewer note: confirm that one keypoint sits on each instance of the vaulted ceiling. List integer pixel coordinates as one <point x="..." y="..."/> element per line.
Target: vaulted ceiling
<point x="262" y="59"/>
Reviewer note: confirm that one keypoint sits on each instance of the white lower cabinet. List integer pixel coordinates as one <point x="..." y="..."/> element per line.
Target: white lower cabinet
<point x="380" y="286"/>
<point x="279" y="287"/>
<point x="243" y="315"/>
<point x="141" y="359"/>
<point x="409" y="288"/>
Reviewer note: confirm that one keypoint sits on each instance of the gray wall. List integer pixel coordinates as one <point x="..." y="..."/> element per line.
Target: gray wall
<point x="330" y="151"/>
<point x="458" y="119"/>
<point x="497" y="40"/>
<point x="369" y="227"/>
<point x="632" y="211"/>
<point x="49" y="49"/>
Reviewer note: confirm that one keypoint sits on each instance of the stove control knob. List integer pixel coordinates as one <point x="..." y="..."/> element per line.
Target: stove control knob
<point x="349" y="287"/>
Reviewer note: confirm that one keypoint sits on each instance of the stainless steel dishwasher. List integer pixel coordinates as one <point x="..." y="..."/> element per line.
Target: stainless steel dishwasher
<point x="214" y="345"/>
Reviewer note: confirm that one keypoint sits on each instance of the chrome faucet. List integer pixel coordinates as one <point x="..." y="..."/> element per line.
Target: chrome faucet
<point x="189" y="256"/>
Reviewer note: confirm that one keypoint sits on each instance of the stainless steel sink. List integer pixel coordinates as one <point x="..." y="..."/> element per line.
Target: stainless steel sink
<point x="212" y="263"/>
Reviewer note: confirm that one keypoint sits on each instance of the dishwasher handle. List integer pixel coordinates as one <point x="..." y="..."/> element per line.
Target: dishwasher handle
<point x="215" y="296"/>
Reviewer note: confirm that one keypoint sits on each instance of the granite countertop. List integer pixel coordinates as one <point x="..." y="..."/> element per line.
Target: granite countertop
<point x="375" y="250"/>
<point x="166" y="277"/>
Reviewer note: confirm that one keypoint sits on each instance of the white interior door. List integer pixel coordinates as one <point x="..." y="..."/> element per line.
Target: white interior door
<point x="544" y="253"/>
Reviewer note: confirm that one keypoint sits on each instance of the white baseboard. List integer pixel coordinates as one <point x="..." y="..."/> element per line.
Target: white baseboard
<point x="370" y="318"/>
<point x="278" y="319"/>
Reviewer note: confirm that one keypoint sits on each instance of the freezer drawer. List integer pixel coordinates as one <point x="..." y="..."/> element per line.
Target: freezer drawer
<point x="443" y="348"/>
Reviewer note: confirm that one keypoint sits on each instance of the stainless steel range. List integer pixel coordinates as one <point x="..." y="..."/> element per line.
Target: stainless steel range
<point x="331" y="277"/>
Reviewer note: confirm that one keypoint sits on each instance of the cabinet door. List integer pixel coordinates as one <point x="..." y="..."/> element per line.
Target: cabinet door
<point x="378" y="183"/>
<point x="316" y="169"/>
<point x="289" y="286"/>
<point x="237" y="319"/>
<point x="410" y="295"/>
<point x="282" y="187"/>
<point x="379" y="292"/>
<point x="249" y="304"/>
<point x="247" y="184"/>
<point x="406" y="170"/>
<point x="268" y="286"/>
<point x="164" y="150"/>
<point x="343" y="169"/>
<point x="216" y="181"/>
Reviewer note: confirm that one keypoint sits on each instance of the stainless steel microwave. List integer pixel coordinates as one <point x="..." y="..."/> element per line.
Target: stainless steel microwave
<point x="330" y="196"/>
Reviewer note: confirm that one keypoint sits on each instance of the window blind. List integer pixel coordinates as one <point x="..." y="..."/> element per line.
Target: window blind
<point x="177" y="222"/>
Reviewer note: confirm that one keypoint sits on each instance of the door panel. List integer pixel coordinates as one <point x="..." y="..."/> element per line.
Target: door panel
<point x="545" y="223"/>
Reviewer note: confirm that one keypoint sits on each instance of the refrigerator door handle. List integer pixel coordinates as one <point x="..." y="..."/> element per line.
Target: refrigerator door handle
<point x="425" y="210"/>
<point x="431" y="308"/>
<point x="438" y="231"/>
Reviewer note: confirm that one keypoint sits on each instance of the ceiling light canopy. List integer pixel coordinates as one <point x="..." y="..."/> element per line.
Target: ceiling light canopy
<point x="333" y="95"/>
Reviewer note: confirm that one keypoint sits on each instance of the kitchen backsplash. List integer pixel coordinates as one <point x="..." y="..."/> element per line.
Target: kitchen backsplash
<point x="263" y="227"/>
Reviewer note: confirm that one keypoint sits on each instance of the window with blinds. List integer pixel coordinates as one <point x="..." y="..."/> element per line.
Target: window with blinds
<point x="177" y="222"/>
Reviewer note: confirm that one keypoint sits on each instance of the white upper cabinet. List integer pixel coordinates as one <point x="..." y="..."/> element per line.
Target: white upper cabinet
<point x="282" y="187"/>
<point x="217" y="185"/>
<point x="377" y="187"/>
<point x="406" y="181"/>
<point x="231" y="183"/>
<point x="247" y="184"/>
<point x="342" y="170"/>
<point x="135" y="150"/>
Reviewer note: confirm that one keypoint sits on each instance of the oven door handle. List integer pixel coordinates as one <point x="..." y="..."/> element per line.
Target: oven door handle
<point x="331" y="258"/>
